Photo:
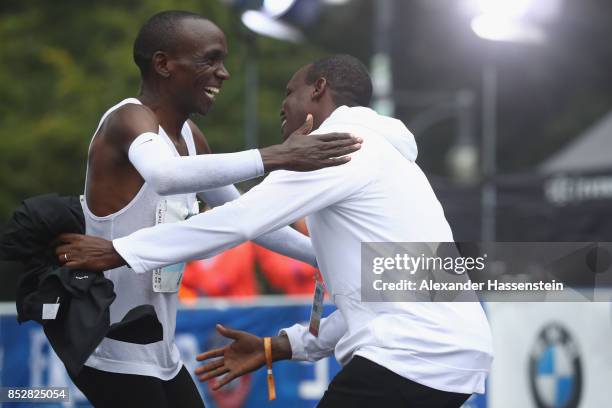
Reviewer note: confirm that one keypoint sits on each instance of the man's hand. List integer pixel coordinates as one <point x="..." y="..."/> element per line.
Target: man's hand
<point x="88" y="253"/>
<point x="301" y="152"/>
<point x="244" y="355"/>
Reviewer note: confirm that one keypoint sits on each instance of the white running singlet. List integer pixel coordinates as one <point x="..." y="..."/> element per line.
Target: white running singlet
<point x="160" y="359"/>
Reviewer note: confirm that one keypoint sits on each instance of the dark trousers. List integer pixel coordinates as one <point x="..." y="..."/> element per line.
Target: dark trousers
<point x="365" y="384"/>
<point x="104" y="389"/>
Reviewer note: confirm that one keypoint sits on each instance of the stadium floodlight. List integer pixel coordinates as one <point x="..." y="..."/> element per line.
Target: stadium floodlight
<point x="505" y="8"/>
<point x="504" y="20"/>
<point x="502" y="29"/>
<point x="276" y="8"/>
<point x="263" y="24"/>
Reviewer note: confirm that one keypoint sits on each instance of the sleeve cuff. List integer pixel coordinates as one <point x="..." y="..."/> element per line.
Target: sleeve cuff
<point x="295" y="334"/>
<point x="122" y="247"/>
<point x="259" y="166"/>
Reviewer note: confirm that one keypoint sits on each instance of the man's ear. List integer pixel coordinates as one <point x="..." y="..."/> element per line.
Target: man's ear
<point x="161" y="64"/>
<point x="320" y="87"/>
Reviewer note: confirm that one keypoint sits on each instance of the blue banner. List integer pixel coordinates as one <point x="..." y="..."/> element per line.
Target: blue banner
<point x="26" y="359"/>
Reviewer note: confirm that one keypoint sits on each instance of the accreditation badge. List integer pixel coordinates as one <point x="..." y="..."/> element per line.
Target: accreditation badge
<point x="168" y="279"/>
<point x="317" y="309"/>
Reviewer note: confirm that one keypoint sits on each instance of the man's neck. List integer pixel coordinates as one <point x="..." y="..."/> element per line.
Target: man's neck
<point x="321" y="116"/>
<point x="171" y="118"/>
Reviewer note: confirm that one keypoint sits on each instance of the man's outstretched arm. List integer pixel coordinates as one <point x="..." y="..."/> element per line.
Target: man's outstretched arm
<point x="276" y="202"/>
<point x="169" y="174"/>
<point x="246" y="353"/>
<point x="279" y="200"/>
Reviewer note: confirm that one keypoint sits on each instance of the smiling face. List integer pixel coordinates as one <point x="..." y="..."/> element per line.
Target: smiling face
<point x="297" y="104"/>
<point x="196" y="66"/>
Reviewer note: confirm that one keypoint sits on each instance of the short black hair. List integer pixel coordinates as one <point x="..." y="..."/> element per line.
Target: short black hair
<point x="346" y="76"/>
<point x="159" y="33"/>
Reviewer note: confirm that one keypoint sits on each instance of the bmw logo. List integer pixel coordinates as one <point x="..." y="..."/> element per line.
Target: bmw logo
<point x="555" y="370"/>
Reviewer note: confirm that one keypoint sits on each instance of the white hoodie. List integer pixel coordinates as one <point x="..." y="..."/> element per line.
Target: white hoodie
<point x="381" y="195"/>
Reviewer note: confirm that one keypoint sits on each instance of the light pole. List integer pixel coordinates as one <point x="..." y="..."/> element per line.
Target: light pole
<point x="489" y="151"/>
<point x="499" y="21"/>
<point x="264" y="24"/>
<point x="381" y="60"/>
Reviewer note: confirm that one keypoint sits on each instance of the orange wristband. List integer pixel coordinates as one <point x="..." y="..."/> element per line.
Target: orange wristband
<point x="268" y="350"/>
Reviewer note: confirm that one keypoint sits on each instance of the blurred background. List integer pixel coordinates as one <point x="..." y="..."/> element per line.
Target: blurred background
<point x="510" y="103"/>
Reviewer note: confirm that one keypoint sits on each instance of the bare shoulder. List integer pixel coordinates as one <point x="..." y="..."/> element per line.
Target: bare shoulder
<point x="126" y="123"/>
<point x="199" y="139"/>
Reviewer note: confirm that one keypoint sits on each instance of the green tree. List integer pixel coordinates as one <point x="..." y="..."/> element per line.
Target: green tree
<point x="65" y="63"/>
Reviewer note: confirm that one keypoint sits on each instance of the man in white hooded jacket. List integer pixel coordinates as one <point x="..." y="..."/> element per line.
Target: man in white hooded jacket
<point x="407" y="354"/>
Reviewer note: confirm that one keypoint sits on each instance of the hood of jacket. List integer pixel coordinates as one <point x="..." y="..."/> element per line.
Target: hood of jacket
<point x="393" y="130"/>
